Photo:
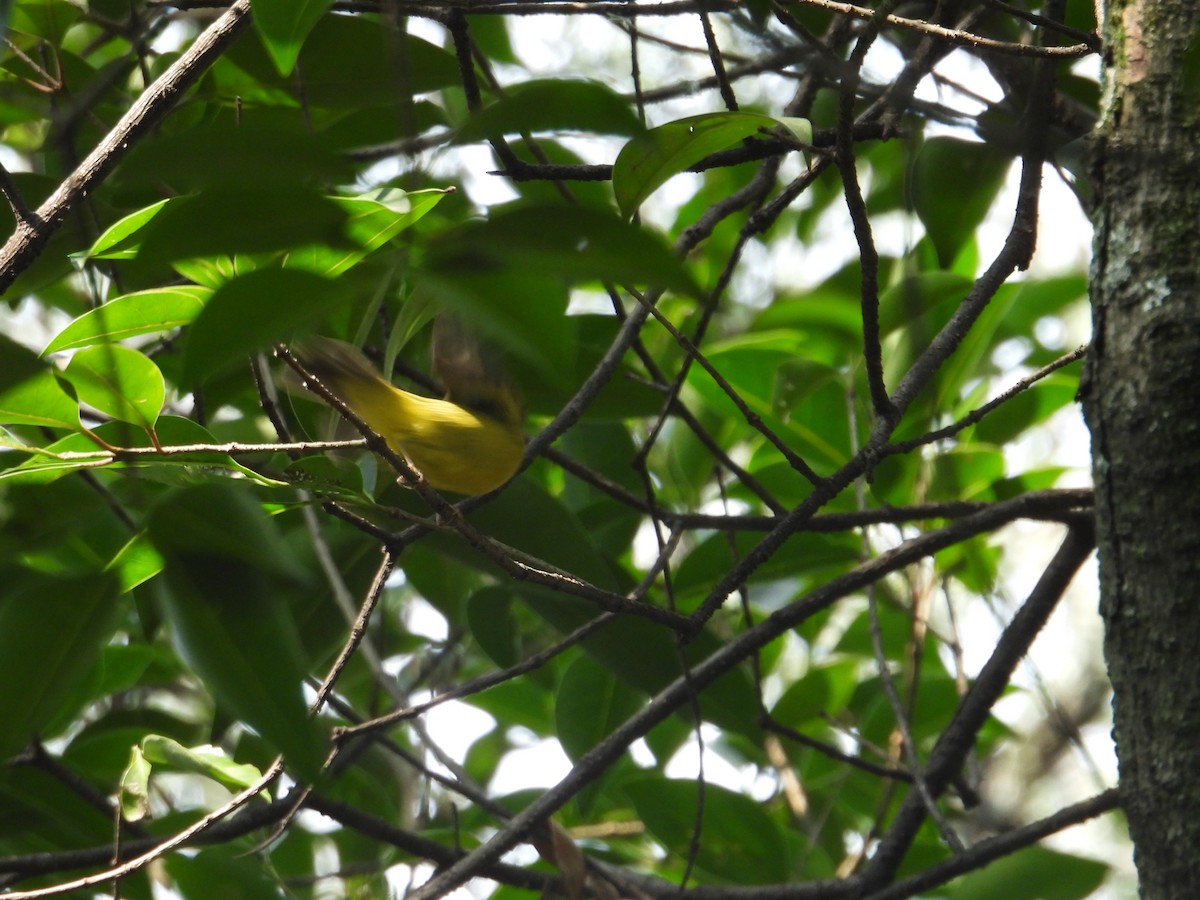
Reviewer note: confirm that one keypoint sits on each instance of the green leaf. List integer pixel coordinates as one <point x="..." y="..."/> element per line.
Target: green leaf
<point x="953" y="185"/>
<point x="346" y="61"/>
<point x="220" y="521"/>
<point x="739" y="843"/>
<point x="136" y="563"/>
<point x="117" y="240"/>
<point x="44" y="814"/>
<point x="223" y="871"/>
<point x="284" y="24"/>
<point x="119" y="382"/>
<point x="17" y="364"/>
<point x="914" y="297"/>
<point x="646" y="162"/>
<point x="575" y="244"/>
<point x="643" y="654"/>
<point x="824" y="311"/>
<point x="251" y="312"/>
<point x="1027" y="409"/>
<point x="966" y="472"/>
<point x="255" y="150"/>
<point x="230" y="620"/>
<point x="605" y="448"/>
<point x="913" y="311"/>
<point x="373" y="221"/>
<point x="1036" y="873"/>
<point x="135" y="787"/>
<point x="821" y="691"/>
<point x="589" y="704"/>
<point x="142" y="312"/>
<point x="806" y="700"/>
<point x="51" y="633"/>
<point x="241" y="219"/>
<point x="214" y="271"/>
<point x="370" y="224"/>
<point x="203" y="760"/>
<point x="521" y="313"/>
<point x="39" y="400"/>
<point x="552" y="105"/>
<point x="493" y="625"/>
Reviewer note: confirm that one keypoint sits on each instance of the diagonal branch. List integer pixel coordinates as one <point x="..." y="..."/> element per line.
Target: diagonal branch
<point x="959" y="736"/>
<point x="732" y="654"/>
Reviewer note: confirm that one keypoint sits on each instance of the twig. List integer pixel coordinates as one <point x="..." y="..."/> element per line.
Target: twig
<point x="1084" y="37"/>
<point x="1014" y="254"/>
<point x="1001" y="845"/>
<point x="975" y="415"/>
<point x="760" y="148"/>
<point x="450" y="515"/>
<point x="422" y="847"/>
<point x="753" y="419"/>
<point x="250" y="819"/>
<point x="833" y="752"/>
<point x="856" y="205"/>
<point x="948" y="835"/>
<point x="718" y="65"/>
<point x="231" y="448"/>
<point x="475" y="685"/>
<point x="178" y="839"/>
<point x="36" y="757"/>
<point x="21" y="212"/>
<point x="357" y="630"/>
<point x="954" y="35"/>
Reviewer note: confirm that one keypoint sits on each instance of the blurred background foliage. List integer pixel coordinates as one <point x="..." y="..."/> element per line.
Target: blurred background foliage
<point x="350" y="169"/>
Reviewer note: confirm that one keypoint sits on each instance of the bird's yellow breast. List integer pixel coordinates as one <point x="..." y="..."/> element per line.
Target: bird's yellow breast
<point x="454" y="448"/>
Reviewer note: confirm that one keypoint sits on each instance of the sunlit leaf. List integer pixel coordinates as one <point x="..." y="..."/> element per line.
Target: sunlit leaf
<point x="204" y="760"/>
<point x="647" y="161"/>
<point x="136" y="564"/>
<point x="370" y="224"/>
<point x="119" y="382"/>
<point x="39" y="400"/>
<point x="143" y="312"/>
<point x="117" y="241"/>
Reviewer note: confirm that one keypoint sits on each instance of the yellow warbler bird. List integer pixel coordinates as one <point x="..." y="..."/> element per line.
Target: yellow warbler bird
<point x="469" y="443"/>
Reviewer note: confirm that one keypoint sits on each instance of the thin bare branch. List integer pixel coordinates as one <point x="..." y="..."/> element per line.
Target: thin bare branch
<point x="954" y="35"/>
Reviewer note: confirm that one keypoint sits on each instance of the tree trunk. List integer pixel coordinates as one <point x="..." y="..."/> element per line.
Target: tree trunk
<point x="1142" y="401"/>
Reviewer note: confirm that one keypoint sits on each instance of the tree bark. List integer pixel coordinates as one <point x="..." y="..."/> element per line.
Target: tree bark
<point x="1141" y="398"/>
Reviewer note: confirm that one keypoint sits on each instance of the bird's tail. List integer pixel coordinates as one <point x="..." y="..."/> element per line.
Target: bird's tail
<point x="344" y="370"/>
<point x="335" y="362"/>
